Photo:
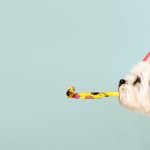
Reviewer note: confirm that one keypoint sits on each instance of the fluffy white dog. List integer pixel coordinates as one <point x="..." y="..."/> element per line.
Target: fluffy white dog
<point x="134" y="89"/>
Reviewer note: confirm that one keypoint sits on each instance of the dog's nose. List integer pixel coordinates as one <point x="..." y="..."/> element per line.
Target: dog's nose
<point x="122" y="81"/>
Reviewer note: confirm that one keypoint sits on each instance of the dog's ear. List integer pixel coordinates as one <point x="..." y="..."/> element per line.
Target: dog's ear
<point x="147" y="58"/>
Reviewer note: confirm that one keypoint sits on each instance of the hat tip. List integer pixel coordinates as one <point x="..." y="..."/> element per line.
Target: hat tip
<point x="147" y="58"/>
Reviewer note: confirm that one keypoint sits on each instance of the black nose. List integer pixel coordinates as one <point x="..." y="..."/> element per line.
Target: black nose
<point x="122" y="81"/>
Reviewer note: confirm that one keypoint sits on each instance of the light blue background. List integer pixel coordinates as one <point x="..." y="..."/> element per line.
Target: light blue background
<point x="46" y="46"/>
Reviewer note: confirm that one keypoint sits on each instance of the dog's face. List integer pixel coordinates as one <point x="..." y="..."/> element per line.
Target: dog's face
<point x="134" y="89"/>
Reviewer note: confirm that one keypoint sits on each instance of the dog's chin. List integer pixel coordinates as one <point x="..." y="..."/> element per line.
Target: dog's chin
<point x="128" y="98"/>
<point x="125" y="94"/>
<point x="134" y="100"/>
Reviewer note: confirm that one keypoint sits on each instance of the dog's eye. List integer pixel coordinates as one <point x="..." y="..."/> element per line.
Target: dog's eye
<point x="138" y="80"/>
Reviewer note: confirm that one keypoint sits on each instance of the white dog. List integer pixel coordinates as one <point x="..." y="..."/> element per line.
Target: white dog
<point x="134" y="89"/>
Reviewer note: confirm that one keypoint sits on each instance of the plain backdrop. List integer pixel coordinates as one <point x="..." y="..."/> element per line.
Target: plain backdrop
<point x="48" y="45"/>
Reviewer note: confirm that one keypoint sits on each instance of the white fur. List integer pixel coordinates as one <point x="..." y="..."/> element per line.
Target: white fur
<point x="137" y="97"/>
